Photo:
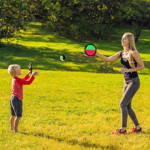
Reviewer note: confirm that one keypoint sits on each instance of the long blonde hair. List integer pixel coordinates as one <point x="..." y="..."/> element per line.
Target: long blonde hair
<point x="132" y="47"/>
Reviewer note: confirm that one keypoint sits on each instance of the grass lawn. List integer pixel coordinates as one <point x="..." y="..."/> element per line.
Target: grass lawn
<point x="43" y="49"/>
<point x="72" y="105"/>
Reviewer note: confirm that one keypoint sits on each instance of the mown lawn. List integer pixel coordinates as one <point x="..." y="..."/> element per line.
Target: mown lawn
<point x="72" y="105"/>
<point x="73" y="110"/>
<point x="44" y="48"/>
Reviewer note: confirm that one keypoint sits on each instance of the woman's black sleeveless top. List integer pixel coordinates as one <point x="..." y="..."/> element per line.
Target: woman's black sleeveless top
<point x="125" y="63"/>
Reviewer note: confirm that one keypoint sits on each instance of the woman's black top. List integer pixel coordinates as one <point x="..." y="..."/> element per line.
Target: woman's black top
<point x="125" y="63"/>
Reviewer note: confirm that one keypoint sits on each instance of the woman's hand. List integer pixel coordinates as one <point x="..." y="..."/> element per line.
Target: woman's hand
<point x="34" y="73"/>
<point x="97" y="54"/>
<point x="125" y="70"/>
<point x="110" y="58"/>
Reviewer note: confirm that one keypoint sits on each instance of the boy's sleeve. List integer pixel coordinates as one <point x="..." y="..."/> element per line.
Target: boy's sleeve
<point x="26" y="77"/>
<point x="24" y="82"/>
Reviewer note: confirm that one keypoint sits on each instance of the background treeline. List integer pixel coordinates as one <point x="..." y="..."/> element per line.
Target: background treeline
<point x="76" y="19"/>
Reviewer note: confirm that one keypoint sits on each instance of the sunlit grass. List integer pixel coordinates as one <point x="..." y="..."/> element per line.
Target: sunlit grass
<point x="70" y="110"/>
<point x="70" y="106"/>
<point x="46" y="47"/>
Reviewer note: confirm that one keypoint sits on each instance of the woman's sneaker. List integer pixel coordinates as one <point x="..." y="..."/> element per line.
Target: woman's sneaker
<point x="135" y="130"/>
<point x="119" y="131"/>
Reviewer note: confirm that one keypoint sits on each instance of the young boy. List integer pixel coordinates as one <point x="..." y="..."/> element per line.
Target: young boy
<point x="17" y="94"/>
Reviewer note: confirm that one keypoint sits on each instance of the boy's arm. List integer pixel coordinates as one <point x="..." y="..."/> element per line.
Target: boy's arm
<point x="26" y="77"/>
<point x="24" y="82"/>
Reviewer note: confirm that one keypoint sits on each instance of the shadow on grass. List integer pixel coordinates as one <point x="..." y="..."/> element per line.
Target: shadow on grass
<point x="49" y="59"/>
<point x="85" y="144"/>
<point x="53" y="37"/>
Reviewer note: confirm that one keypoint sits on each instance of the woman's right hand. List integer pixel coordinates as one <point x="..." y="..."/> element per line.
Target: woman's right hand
<point x="97" y="54"/>
<point x="34" y="73"/>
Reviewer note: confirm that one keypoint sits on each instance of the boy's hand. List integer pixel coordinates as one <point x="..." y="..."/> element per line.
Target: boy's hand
<point x="29" y="72"/>
<point x="34" y="73"/>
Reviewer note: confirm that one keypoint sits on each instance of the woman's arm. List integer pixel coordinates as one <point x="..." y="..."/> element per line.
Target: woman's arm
<point x="109" y="59"/>
<point x="140" y="64"/>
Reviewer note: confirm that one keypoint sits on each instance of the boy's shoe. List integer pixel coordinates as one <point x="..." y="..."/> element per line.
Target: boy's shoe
<point x="135" y="130"/>
<point x="119" y="131"/>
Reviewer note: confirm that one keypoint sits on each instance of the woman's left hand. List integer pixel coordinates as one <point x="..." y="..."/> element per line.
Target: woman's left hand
<point x="124" y="70"/>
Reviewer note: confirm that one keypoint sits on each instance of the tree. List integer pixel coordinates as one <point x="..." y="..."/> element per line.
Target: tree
<point x="136" y="13"/>
<point x="81" y="20"/>
<point x="14" y="15"/>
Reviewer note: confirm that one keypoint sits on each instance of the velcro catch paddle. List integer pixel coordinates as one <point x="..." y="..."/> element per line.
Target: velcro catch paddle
<point x="90" y="49"/>
<point x="30" y="67"/>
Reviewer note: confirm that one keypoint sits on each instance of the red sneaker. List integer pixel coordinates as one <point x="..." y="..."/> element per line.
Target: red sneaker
<point x="119" y="131"/>
<point x="135" y="130"/>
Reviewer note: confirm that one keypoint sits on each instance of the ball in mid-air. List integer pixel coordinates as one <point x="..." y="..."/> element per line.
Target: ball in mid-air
<point x="62" y="58"/>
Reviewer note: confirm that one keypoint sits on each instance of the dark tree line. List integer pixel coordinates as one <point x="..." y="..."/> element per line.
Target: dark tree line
<point x="75" y="19"/>
<point x="14" y="15"/>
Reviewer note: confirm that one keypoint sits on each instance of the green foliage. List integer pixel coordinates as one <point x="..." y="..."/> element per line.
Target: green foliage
<point x="14" y="15"/>
<point x="136" y="11"/>
<point x="37" y="10"/>
<point x="106" y="67"/>
<point x="81" y="20"/>
<point x="75" y="19"/>
<point x="94" y="19"/>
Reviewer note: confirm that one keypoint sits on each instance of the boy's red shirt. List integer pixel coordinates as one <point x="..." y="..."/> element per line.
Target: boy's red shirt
<point x="17" y="85"/>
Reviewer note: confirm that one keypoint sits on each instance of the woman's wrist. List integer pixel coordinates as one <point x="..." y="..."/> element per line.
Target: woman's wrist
<point x="104" y="58"/>
<point x="97" y="54"/>
<point x="131" y="70"/>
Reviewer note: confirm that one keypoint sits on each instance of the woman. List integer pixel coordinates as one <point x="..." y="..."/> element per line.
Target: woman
<point x="132" y="63"/>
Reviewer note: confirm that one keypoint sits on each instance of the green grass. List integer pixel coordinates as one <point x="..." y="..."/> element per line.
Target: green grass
<point x="73" y="110"/>
<point x="44" y="49"/>
<point x="70" y="106"/>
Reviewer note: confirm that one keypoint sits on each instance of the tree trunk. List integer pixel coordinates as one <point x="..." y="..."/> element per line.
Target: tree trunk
<point x="138" y="33"/>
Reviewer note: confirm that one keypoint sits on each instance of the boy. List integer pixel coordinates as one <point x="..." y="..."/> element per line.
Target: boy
<point x="17" y="94"/>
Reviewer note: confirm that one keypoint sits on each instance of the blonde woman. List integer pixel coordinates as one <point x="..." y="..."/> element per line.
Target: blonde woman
<point x="132" y="63"/>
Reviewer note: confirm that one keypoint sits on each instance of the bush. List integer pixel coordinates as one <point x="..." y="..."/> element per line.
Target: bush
<point x="13" y="16"/>
<point x="82" y="20"/>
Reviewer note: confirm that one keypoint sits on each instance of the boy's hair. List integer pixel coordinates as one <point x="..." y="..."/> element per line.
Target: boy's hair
<point x="12" y="69"/>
